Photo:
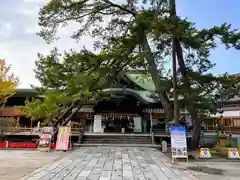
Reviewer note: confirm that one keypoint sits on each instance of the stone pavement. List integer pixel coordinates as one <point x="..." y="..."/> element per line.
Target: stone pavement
<point x="117" y="163"/>
<point x="17" y="163"/>
<point x="223" y="170"/>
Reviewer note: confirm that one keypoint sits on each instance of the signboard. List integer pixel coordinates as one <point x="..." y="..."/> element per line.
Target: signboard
<point x="63" y="138"/>
<point x="160" y="111"/>
<point x="233" y="153"/>
<point x="97" y="126"/>
<point x="45" y="139"/>
<point x="205" y="153"/>
<point x="178" y="142"/>
<point x="47" y="130"/>
<point x="137" y="124"/>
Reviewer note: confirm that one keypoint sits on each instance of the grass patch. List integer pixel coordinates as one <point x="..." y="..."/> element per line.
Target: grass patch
<point x="220" y="151"/>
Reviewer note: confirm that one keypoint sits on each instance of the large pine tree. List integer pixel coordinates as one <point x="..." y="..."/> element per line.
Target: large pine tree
<point x="138" y="34"/>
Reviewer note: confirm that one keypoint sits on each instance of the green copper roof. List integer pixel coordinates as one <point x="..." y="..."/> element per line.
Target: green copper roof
<point x="142" y="80"/>
<point x="140" y="95"/>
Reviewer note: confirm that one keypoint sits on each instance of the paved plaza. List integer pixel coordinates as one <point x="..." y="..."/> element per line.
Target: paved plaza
<point x="119" y="163"/>
<point x="14" y="164"/>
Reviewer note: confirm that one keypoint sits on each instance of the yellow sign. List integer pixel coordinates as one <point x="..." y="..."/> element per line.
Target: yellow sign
<point x="205" y="153"/>
<point x="233" y="153"/>
<point x="63" y="138"/>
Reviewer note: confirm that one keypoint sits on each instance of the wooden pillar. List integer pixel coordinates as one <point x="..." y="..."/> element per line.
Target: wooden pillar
<point x="17" y="123"/>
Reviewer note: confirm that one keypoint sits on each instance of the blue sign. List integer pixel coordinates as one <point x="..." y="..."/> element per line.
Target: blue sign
<point x="178" y="131"/>
<point x="178" y="141"/>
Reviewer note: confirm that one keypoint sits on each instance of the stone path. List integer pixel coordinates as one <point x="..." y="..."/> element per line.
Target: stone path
<point x="116" y="163"/>
<point x="17" y="163"/>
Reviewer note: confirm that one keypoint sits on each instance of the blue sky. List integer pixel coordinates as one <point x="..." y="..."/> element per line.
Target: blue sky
<point x="206" y="13"/>
<point x="19" y="44"/>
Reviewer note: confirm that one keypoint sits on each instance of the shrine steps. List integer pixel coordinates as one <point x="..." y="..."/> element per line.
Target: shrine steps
<point x="117" y="145"/>
<point x="117" y="139"/>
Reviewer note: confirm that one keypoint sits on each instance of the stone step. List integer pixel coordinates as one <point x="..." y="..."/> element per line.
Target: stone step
<point x="117" y="142"/>
<point x="117" y="145"/>
<point x="116" y="139"/>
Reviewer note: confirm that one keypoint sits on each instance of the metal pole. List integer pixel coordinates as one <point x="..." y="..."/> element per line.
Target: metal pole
<point x="151" y="124"/>
<point x="172" y="6"/>
<point x="175" y="94"/>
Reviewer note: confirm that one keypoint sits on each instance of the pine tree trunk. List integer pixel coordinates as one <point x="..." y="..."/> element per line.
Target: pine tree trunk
<point x="64" y="114"/>
<point x="196" y="134"/>
<point x="191" y="109"/>
<point x="152" y="69"/>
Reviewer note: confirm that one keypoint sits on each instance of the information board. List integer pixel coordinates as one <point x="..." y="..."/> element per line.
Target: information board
<point x="97" y="126"/>
<point x="63" y="138"/>
<point x="178" y="142"/>
<point x="45" y="139"/>
<point x="137" y="124"/>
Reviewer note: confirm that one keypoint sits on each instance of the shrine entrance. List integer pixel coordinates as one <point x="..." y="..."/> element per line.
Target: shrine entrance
<point x="119" y="115"/>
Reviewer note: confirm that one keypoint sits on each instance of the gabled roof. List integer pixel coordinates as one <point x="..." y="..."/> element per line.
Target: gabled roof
<point x="11" y="112"/>
<point x="141" y="79"/>
<point x="236" y="75"/>
<point x="142" y="96"/>
<point x="25" y="93"/>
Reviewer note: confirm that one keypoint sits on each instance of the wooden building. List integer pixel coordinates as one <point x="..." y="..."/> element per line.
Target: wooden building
<point x="126" y="109"/>
<point x="13" y="114"/>
<point x="229" y="115"/>
<point x="229" y="118"/>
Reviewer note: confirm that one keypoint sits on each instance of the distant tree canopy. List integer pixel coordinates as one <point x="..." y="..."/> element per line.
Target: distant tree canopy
<point x="8" y="85"/>
<point x="8" y="82"/>
<point x="46" y="107"/>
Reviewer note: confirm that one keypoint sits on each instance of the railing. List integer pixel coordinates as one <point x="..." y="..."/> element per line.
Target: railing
<point x="22" y="130"/>
<point x="36" y="131"/>
<point x="162" y="132"/>
<point x="80" y="131"/>
<point x="76" y="131"/>
<point x="189" y="132"/>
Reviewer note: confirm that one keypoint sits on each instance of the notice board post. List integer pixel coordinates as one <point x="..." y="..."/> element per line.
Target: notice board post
<point x="45" y="139"/>
<point x="178" y="142"/>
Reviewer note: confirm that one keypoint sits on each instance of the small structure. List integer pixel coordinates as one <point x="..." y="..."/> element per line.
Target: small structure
<point x="229" y="120"/>
<point x="164" y="146"/>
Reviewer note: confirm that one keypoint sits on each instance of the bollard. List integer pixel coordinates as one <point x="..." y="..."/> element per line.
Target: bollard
<point x="164" y="146"/>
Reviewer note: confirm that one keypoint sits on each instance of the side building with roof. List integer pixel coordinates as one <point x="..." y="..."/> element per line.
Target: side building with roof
<point x="131" y="107"/>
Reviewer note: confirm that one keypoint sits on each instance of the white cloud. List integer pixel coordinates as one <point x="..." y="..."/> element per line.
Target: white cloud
<point x="32" y="29"/>
<point x="19" y="43"/>
<point x="5" y="29"/>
